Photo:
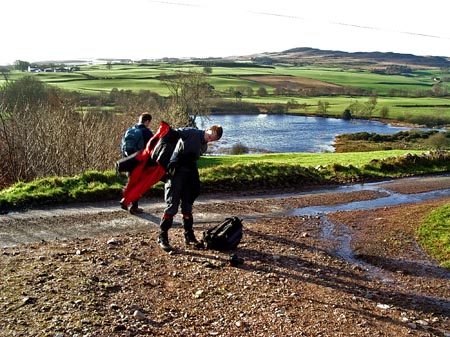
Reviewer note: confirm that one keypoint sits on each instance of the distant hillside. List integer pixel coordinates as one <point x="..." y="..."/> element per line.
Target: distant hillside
<point x="362" y="59"/>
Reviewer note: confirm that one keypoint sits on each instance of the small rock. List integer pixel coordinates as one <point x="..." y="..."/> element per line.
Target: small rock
<point x="113" y="241"/>
<point x="114" y="306"/>
<point x="368" y="296"/>
<point x="422" y="322"/>
<point x="207" y="264"/>
<point x="28" y="300"/>
<point x="198" y="293"/>
<point x="139" y="315"/>
<point x="77" y="302"/>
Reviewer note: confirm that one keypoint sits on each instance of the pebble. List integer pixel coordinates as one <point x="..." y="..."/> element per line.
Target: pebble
<point x="422" y="322"/>
<point x="139" y="315"/>
<point x="113" y="241"/>
<point x="28" y="300"/>
<point x="114" y="306"/>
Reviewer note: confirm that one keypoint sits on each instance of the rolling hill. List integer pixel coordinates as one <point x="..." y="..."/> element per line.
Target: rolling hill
<point x="313" y="56"/>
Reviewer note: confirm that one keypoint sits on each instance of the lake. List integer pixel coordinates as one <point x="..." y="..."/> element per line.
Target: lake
<point x="288" y="133"/>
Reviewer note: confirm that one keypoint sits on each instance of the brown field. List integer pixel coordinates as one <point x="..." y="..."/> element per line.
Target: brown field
<point x="290" y="82"/>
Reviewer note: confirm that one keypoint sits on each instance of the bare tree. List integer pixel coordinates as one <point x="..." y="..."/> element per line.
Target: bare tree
<point x="384" y="111"/>
<point x="262" y="92"/>
<point x="190" y="95"/>
<point x="371" y="105"/>
<point x="322" y="108"/>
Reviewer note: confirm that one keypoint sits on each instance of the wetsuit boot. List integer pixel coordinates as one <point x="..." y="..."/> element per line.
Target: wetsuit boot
<point x="189" y="236"/>
<point x="163" y="237"/>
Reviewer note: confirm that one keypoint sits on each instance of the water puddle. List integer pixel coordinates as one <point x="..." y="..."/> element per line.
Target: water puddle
<point x="340" y="235"/>
<point x="392" y="199"/>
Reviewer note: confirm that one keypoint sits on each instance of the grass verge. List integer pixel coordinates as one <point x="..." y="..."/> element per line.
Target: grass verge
<point x="235" y="173"/>
<point x="434" y="235"/>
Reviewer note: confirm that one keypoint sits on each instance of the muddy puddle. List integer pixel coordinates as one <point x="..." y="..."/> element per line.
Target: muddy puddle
<point x="340" y="236"/>
<point x="392" y="199"/>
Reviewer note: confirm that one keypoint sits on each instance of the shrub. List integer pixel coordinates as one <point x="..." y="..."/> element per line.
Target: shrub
<point x="239" y="148"/>
<point x="347" y="115"/>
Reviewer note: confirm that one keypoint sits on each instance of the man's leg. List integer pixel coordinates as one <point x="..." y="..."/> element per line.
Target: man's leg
<point x="172" y="198"/>
<point x="189" y="236"/>
<point x="163" y="237"/>
<point x="135" y="209"/>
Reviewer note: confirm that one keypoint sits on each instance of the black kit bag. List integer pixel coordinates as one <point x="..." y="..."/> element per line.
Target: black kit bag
<point x="127" y="164"/>
<point x="224" y="236"/>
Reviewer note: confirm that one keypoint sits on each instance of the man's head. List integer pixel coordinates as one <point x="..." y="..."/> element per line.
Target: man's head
<point x="213" y="133"/>
<point x="145" y="118"/>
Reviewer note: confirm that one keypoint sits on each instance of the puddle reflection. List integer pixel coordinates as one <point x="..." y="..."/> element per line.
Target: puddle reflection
<point x="392" y="200"/>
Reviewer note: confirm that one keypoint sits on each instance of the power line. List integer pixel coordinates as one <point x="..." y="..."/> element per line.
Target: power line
<point x="356" y="26"/>
<point x="173" y="3"/>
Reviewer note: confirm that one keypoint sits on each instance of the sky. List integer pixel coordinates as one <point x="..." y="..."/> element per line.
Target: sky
<point x="41" y="30"/>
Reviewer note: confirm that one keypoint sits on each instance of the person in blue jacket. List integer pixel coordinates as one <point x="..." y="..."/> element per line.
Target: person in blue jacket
<point x="140" y="134"/>
<point x="183" y="184"/>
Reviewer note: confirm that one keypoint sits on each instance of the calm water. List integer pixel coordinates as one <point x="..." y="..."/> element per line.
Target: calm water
<point x="286" y="133"/>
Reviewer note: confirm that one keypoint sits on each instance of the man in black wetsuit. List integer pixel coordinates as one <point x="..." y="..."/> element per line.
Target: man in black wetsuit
<point x="183" y="184"/>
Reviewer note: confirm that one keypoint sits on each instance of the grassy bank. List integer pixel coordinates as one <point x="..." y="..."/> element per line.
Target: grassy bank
<point x="434" y="235"/>
<point x="235" y="173"/>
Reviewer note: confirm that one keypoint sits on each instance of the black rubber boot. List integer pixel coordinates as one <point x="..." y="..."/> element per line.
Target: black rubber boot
<point x="135" y="209"/>
<point x="163" y="237"/>
<point x="122" y="204"/>
<point x="189" y="236"/>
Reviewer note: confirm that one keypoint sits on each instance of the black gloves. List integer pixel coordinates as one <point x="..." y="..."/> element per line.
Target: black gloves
<point x="171" y="167"/>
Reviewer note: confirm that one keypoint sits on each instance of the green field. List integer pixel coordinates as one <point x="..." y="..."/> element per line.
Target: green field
<point x="95" y="79"/>
<point x="135" y="77"/>
<point x="304" y="159"/>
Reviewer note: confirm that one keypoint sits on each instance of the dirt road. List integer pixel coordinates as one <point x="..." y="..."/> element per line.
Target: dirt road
<point x="321" y="263"/>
